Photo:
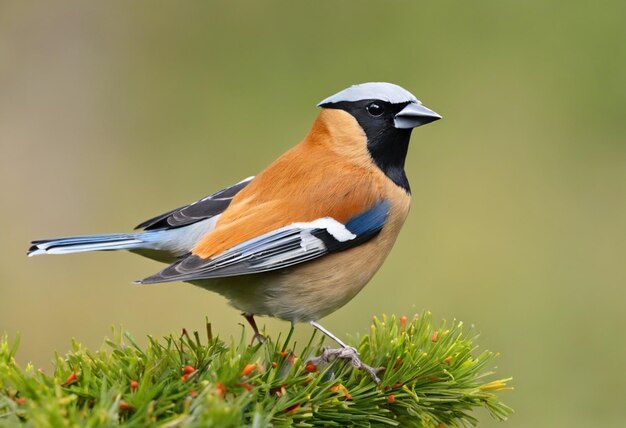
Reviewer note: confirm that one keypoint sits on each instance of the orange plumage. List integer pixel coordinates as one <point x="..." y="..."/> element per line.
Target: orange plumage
<point x="312" y="180"/>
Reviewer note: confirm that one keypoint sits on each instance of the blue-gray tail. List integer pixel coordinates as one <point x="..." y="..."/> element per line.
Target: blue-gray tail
<point x="79" y="244"/>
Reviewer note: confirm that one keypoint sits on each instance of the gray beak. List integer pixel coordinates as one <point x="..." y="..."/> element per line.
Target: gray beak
<point x="414" y="115"/>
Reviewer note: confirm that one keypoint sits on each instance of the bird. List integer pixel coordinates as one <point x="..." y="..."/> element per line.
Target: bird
<point x="300" y="239"/>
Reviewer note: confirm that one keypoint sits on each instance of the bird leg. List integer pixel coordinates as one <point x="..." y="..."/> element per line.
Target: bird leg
<point x="345" y="353"/>
<point x="258" y="336"/>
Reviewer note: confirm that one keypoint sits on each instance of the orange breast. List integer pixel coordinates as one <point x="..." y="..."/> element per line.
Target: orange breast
<point x="329" y="174"/>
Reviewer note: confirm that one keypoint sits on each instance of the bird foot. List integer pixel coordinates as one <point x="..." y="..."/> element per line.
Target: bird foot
<point x="348" y="353"/>
<point x="259" y="337"/>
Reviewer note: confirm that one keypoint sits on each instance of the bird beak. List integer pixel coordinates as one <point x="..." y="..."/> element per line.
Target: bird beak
<point x="414" y="115"/>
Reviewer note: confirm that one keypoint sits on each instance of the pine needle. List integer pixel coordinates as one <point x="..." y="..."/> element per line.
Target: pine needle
<point x="434" y="377"/>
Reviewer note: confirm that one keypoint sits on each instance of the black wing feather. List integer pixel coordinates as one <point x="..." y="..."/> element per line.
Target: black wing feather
<point x="205" y="208"/>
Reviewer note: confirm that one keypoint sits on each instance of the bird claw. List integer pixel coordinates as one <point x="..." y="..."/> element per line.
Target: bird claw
<point x="259" y="337"/>
<point x="351" y="354"/>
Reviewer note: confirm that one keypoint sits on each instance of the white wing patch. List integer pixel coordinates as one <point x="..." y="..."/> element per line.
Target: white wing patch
<point x="332" y="226"/>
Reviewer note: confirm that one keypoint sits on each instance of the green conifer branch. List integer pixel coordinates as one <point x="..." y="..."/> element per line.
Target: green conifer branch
<point x="434" y="377"/>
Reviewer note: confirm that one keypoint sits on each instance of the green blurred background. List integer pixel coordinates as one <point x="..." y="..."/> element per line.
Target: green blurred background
<point x="113" y="112"/>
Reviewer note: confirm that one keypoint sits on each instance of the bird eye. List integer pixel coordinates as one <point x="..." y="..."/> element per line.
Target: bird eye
<point x="375" y="109"/>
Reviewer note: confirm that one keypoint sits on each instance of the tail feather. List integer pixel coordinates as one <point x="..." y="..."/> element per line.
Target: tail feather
<point x="78" y="244"/>
<point x="162" y="244"/>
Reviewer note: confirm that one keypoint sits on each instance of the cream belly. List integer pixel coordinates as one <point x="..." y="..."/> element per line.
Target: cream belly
<point x="314" y="289"/>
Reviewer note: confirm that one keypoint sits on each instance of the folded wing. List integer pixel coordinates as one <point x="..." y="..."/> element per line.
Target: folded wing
<point x="284" y="247"/>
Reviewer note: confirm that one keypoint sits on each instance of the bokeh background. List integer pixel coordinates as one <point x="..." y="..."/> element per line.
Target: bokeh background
<point x="113" y="112"/>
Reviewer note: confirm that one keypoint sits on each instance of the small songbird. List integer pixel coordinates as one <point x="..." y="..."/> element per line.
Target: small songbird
<point x="302" y="238"/>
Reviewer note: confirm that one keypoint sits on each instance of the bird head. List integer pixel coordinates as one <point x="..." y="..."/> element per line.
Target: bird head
<point x="386" y="114"/>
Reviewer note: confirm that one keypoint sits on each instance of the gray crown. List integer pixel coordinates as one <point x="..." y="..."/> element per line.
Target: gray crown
<point x="383" y="91"/>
